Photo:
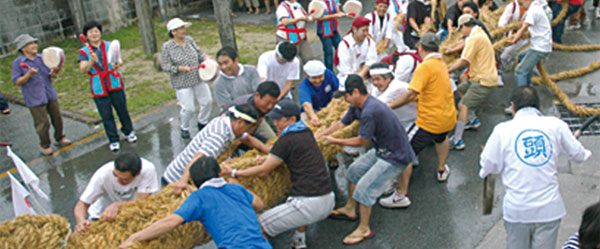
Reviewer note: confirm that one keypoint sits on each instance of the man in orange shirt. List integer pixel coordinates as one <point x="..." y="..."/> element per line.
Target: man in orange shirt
<point x="436" y="114"/>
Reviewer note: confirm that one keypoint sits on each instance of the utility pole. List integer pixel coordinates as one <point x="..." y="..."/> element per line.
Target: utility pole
<point x="144" y="14"/>
<point x="224" y="23"/>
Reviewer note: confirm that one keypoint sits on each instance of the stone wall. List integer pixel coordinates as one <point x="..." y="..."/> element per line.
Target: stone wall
<point x="50" y="20"/>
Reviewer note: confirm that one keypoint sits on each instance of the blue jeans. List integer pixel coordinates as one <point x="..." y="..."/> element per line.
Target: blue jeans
<point x="557" y="30"/>
<point x="527" y="60"/>
<point x="105" y="106"/>
<point x="370" y="174"/>
<point x="329" y="46"/>
<point x="3" y="103"/>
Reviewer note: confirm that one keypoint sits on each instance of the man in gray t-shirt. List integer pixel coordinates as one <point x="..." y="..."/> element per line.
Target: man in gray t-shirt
<point x="234" y="79"/>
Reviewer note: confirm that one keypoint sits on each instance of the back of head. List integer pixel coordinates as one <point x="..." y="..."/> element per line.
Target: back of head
<point x="429" y="42"/>
<point x="268" y="88"/>
<point x="90" y="25"/>
<point x="203" y="170"/>
<point x="589" y="230"/>
<point x="128" y="162"/>
<point x="244" y="112"/>
<point x="354" y="81"/>
<point x="525" y="96"/>
<point x="229" y="52"/>
<point x="286" y="51"/>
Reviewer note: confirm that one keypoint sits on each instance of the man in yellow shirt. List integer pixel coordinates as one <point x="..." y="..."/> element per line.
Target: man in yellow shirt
<point x="436" y="114"/>
<point x="479" y="56"/>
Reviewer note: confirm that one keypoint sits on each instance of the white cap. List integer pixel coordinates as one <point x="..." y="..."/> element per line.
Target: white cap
<point x="176" y="23"/>
<point x="314" y="68"/>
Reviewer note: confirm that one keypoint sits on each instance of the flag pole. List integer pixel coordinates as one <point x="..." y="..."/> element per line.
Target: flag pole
<point x="32" y="194"/>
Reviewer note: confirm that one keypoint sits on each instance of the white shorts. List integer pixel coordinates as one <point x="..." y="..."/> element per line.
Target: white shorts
<point x="297" y="211"/>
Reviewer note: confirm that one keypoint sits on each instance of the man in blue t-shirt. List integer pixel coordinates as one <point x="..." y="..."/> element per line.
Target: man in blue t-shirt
<point x="227" y="211"/>
<point x="369" y="173"/>
<point x="316" y="90"/>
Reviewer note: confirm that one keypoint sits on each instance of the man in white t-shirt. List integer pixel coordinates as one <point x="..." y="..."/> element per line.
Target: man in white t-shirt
<point x="280" y="66"/>
<point x="291" y="27"/>
<point x="357" y="51"/>
<point x="387" y="88"/>
<point x="538" y="25"/>
<point x="525" y="151"/>
<point x="128" y="178"/>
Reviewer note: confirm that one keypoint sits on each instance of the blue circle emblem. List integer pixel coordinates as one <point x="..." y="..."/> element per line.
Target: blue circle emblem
<point x="533" y="147"/>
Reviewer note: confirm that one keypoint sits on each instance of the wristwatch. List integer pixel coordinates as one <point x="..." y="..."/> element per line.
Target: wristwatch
<point x="233" y="173"/>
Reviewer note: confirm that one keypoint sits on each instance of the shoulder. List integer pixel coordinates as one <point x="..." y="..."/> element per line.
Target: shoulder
<point x="249" y="68"/>
<point x="148" y="166"/>
<point x="18" y="60"/>
<point x="104" y="170"/>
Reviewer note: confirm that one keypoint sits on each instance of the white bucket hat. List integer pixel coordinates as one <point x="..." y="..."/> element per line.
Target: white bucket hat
<point x="176" y="23"/>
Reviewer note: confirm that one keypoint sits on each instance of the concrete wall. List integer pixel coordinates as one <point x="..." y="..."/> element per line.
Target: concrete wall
<point x="55" y="19"/>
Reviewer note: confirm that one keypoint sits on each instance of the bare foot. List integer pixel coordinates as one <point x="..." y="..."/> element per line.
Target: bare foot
<point x="257" y="11"/>
<point x="344" y="213"/>
<point x="233" y="14"/>
<point x="358" y="235"/>
<point x="268" y="12"/>
<point x="249" y="10"/>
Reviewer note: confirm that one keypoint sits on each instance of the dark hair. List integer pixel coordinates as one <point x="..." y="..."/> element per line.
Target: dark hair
<point x="170" y="34"/>
<point x="354" y="81"/>
<point x="246" y="109"/>
<point x="473" y="6"/>
<point x="525" y="96"/>
<point x="382" y="65"/>
<point x="203" y="170"/>
<point x="589" y="230"/>
<point x="128" y="162"/>
<point x="227" y="51"/>
<point x="477" y="22"/>
<point x="268" y="88"/>
<point x="287" y="50"/>
<point x="90" y="25"/>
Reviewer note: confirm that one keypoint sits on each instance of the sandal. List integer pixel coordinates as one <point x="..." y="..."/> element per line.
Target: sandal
<point x="355" y="239"/>
<point x="337" y="215"/>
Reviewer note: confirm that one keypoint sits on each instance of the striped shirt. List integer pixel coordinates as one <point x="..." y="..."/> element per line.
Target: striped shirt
<point x="213" y="140"/>
<point x="572" y="242"/>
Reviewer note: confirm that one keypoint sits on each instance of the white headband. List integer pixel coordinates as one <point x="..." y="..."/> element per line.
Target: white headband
<point x="380" y="71"/>
<point x="244" y="116"/>
<point x="279" y="53"/>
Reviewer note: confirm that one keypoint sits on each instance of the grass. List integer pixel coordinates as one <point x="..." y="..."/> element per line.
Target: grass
<point x="145" y="87"/>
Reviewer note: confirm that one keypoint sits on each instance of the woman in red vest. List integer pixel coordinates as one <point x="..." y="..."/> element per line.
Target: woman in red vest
<point x="106" y="85"/>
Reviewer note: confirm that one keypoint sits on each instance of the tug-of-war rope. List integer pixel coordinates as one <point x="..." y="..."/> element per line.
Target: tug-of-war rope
<point x="54" y="231"/>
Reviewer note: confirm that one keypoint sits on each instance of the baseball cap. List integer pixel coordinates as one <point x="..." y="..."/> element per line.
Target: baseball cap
<point x="430" y="41"/>
<point x="176" y="23"/>
<point x="463" y="19"/>
<point x="285" y="108"/>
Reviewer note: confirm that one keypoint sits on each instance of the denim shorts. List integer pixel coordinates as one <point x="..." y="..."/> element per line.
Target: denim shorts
<point x="370" y="174"/>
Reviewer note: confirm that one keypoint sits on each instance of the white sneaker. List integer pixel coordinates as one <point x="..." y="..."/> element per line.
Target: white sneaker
<point x="395" y="200"/>
<point x="597" y="13"/>
<point x="114" y="147"/>
<point x="574" y="26"/>
<point x="132" y="138"/>
<point x="298" y="242"/>
<point x="442" y="176"/>
<point x="508" y="110"/>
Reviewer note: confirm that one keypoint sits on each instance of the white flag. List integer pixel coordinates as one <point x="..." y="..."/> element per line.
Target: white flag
<point x="19" y="197"/>
<point x="26" y="174"/>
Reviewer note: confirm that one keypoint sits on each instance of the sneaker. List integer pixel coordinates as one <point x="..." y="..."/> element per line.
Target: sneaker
<point x="185" y="134"/>
<point x="457" y="145"/>
<point x="473" y="124"/>
<point x="395" y="201"/>
<point x="508" y="110"/>
<point x="114" y="147"/>
<point x="574" y="26"/>
<point x="442" y="176"/>
<point x="298" y="242"/>
<point x="597" y="13"/>
<point x="46" y="151"/>
<point x="132" y="138"/>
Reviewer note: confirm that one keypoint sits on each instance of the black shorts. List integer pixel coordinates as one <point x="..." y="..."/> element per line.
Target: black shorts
<point x="419" y="138"/>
